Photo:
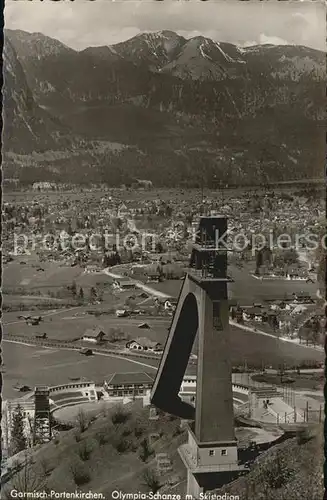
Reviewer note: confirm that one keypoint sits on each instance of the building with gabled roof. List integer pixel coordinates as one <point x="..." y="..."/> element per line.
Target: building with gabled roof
<point x="128" y="385"/>
<point x="94" y="335"/>
<point x="143" y="344"/>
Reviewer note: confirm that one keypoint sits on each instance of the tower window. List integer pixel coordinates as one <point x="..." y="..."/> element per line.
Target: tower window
<point x="211" y="453"/>
<point x="223" y="453"/>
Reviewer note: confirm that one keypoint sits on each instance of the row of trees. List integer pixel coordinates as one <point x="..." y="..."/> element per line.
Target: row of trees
<point x="18" y="441"/>
<point x="80" y="294"/>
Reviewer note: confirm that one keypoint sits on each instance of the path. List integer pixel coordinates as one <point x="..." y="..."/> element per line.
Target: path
<point x="231" y="322"/>
<point x="282" y="339"/>
<point x="52" y="313"/>
<point x="98" y="353"/>
<point x="139" y="284"/>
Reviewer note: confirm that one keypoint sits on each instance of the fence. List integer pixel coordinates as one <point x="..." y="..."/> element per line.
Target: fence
<point x="301" y="416"/>
<point x="77" y="346"/>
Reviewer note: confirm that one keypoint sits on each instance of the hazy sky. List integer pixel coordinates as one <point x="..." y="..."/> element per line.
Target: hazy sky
<point x="84" y="23"/>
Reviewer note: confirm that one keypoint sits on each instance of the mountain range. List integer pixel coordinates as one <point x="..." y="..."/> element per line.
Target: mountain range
<point x="162" y="107"/>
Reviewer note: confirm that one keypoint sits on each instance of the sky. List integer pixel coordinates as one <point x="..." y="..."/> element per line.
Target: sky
<point x="83" y="23"/>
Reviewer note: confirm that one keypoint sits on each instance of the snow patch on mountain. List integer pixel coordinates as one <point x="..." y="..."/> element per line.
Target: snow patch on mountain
<point x="226" y="56"/>
<point x="112" y="50"/>
<point x="203" y="53"/>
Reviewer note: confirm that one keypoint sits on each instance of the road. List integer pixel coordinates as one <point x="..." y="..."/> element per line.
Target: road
<point x="139" y="284"/>
<point x="282" y="339"/>
<point x="157" y="293"/>
<point x="51" y="313"/>
<point x="98" y="353"/>
<point x="246" y="290"/>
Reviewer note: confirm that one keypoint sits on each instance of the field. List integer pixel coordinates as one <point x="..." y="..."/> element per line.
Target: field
<point x="167" y="194"/>
<point x="33" y="365"/>
<point x="27" y="284"/>
<point x="55" y="275"/>
<point x="312" y="381"/>
<point x="37" y="366"/>
<point x="245" y="289"/>
<point x="69" y="324"/>
<point x="69" y="413"/>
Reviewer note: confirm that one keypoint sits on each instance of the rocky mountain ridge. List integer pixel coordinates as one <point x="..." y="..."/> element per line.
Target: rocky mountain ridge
<point x="173" y="103"/>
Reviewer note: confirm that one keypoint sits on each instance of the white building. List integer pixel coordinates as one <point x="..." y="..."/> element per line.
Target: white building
<point x="44" y="186"/>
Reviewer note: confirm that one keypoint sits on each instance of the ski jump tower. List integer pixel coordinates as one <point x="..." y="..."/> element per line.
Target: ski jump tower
<point x="211" y="454"/>
<point x="42" y="419"/>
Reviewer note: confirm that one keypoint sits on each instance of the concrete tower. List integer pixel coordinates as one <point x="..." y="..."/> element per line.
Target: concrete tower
<point x="211" y="452"/>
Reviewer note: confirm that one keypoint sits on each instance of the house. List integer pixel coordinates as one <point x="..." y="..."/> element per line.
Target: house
<point x="86" y="352"/>
<point x="143" y="184"/>
<point x="153" y="277"/>
<point x="170" y="305"/>
<point x="33" y="320"/>
<point x="302" y="297"/>
<point x="255" y="313"/>
<point x="144" y="344"/>
<point x="95" y="335"/>
<point x="22" y="388"/>
<point x="300" y="308"/>
<point x="121" y="313"/>
<point x="153" y="273"/>
<point x="44" y="186"/>
<point x="281" y="305"/>
<point x="132" y="385"/>
<point x="296" y="272"/>
<point x="144" y="325"/>
<point x="138" y="273"/>
<point x="124" y="284"/>
<point x="236" y="313"/>
<point x="122" y="210"/>
<point x="287" y="298"/>
<point x="164" y="463"/>
<point x="43" y="336"/>
<point x="91" y="269"/>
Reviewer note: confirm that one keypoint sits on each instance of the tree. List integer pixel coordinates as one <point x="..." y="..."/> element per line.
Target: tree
<point x="281" y="372"/>
<point x="131" y="303"/>
<point x="316" y="331"/>
<point x="278" y="473"/>
<point x="258" y="262"/>
<point x="19" y="441"/>
<point x="80" y="474"/>
<point x="93" y="294"/>
<point x="82" y="421"/>
<point x="321" y="273"/>
<point x="45" y="466"/>
<point x="84" y="450"/>
<point x="28" y="479"/>
<point x="120" y="415"/>
<point x="169" y="211"/>
<point x="117" y="335"/>
<point x="159" y="247"/>
<point x="290" y="256"/>
<point x="81" y="294"/>
<point x="151" y="480"/>
<point x="145" y="451"/>
<point x="74" y="289"/>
